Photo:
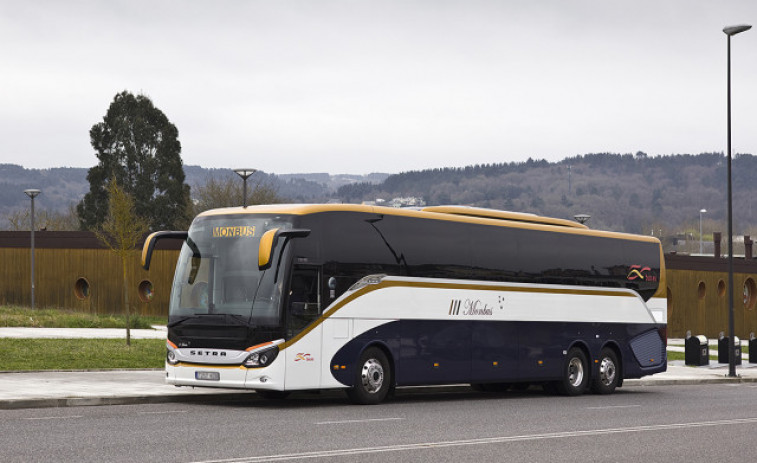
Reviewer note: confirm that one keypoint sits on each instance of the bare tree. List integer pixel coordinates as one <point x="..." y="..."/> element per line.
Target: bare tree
<point x="122" y="231"/>
<point x="44" y="220"/>
<point x="227" y="192"/>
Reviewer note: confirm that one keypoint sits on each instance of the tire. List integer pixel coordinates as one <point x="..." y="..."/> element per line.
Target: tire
<point x="272" y="395"/>
<point x="575" y="378"/>
<point x="608" y="374"/>
<point x="373" y="378"/>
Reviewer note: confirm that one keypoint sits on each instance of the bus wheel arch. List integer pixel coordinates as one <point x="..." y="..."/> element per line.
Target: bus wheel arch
<point x="373" y="376"/>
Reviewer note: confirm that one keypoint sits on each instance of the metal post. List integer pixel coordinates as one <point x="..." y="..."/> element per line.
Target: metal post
<point x="729" y="31"/>
<point x="32" y="193"/>
<point x="245" y="174"/>
<point x="701" y="211"/>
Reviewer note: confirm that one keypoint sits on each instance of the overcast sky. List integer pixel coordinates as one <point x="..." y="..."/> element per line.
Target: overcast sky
<point x="379" y="86"/>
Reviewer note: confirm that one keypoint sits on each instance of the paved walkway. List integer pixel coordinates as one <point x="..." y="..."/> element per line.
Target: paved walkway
<point x="158" y="332"/>
<point x="76" y="388"/>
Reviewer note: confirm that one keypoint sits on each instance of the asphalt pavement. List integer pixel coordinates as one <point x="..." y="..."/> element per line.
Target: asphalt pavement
<point x="38" y="389"/>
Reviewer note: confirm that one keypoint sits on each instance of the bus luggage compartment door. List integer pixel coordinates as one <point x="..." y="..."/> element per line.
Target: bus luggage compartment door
<point x="434" y="352"/>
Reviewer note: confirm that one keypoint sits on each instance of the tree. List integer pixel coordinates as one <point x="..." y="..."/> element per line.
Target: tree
<point x="138" y="147"/>
<point x="44" y="220"/>
<point x="227" y="192"/>
<point x="122" y="231"/>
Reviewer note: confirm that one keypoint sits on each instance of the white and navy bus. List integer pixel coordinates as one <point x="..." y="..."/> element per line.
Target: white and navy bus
<point x="280" y="298"/>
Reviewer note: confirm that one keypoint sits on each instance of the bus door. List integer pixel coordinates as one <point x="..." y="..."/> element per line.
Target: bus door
<point x="303" y="308"/>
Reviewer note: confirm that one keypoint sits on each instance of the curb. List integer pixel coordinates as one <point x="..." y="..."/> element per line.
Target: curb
<point x="687" y="381"/>
<point x="16" y="404"/>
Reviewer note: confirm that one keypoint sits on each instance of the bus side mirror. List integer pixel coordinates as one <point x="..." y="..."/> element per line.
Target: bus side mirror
<point x="149" y="245"/>
<point x="265" y="249"/>
<point x="269" y="240"/>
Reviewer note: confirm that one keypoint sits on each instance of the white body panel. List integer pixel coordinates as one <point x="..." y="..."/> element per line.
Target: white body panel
<point x="659" y="308"/>
<point x="303" y="361"/>
<point x="408" y="298"/>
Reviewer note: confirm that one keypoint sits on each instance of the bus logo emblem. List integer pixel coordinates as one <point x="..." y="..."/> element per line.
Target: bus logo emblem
<point x="639" y="273"/>
<point x="454" y="307"/>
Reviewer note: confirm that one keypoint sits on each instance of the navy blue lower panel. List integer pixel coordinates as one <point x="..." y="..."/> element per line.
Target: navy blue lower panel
<point x="442" y="351"/>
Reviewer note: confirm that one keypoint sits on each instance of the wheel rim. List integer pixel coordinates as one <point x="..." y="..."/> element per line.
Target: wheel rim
<point x="607" y="371"/>
<point x="575" y="372"/>
<point x="372" y="376"/>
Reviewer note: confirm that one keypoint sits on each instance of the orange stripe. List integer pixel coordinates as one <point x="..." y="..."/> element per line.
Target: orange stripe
<point x="171" y="344"/>
<point x="259" y="345"/>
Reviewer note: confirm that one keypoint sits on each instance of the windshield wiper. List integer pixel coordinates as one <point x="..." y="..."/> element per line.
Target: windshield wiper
<point x="179" y="321"/>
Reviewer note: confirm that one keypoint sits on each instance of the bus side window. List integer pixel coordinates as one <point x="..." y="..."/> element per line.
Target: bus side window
<point x="304" y="304"/>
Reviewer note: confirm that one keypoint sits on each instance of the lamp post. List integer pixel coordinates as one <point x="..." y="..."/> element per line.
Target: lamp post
<point x="32" y="193"/>
<point x="701" y="211"/>
<point x="729" y="31"/>
<point x="582" y="218"/>
<point x="245" y="174"/>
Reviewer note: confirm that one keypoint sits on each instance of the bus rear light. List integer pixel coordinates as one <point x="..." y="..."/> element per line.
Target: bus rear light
<point x="663" y="330"/>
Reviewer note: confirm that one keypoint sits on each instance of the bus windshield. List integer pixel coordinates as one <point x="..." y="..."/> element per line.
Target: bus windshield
<point x="217" y="272"/>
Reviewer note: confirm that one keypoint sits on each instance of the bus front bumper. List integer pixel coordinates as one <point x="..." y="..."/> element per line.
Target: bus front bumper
<point x="230" y="377"/>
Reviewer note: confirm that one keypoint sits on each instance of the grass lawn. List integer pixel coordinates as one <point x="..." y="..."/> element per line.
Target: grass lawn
<point x="13" y="316"/>
<point x="80" y="354"/>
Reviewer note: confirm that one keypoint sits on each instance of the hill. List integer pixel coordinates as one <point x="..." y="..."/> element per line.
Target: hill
<point x="62" y="187"/>
<point x="636" y="193"/>
<point x="632" y="193"/>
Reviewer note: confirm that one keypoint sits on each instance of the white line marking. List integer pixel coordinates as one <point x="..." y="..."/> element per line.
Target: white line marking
<point x="489" y="440"/>
<point x="54" y="417"/>
<point x="610" y="407"/>
<point x="359" y="421"/>
<point x="162" y="413"/>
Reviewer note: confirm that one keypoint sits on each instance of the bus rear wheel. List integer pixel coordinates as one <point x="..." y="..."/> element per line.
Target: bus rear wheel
<point x="575" y="373"/>
<point x="608" y="375"/>
<point x="373" y="378"/>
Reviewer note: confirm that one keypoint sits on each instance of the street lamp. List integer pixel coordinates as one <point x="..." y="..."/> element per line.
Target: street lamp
<point x="729" y="31"/>
<point x="582" y="218"/>
<point x="32" y="193"/>
<point x="245" y="174"/>
<point x="701" y="211"/>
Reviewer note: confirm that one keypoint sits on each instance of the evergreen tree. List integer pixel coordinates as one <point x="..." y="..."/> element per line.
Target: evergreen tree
<point x="139" y="148"/>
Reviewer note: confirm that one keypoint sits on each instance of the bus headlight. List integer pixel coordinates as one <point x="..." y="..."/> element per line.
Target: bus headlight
<point x="262" y="358"/>
<point x="171" y="357"/>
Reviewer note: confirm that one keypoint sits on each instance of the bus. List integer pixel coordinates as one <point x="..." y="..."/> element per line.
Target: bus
<point x="281" y="298"/>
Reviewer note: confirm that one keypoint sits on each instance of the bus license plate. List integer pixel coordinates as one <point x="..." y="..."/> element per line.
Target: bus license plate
<point x="208" y="375"/>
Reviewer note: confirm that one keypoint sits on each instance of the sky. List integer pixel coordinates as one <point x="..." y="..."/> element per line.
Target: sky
<point x="358" y="86"/>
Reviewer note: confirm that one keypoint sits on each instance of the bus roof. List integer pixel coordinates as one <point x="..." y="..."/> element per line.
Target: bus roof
<point x="454" y="213"/>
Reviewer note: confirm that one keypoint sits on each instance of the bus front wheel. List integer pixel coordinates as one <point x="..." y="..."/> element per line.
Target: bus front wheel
<point x="575" y="373"/>
<point x="373" y="378"/>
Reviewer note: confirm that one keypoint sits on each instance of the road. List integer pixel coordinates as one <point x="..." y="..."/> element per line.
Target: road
<point x="704" y="423"/>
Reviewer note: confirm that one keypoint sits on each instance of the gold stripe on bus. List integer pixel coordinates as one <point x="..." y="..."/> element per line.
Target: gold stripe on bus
<point x="472" y="286"/>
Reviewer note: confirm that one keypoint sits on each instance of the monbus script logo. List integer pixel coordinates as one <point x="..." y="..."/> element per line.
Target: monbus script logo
<point x="242" y="231"/>
<point x="641" y="273"/>
<point x="471" y="307"/>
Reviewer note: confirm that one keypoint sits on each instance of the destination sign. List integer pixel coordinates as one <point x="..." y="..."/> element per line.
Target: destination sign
<point x="241" y="231"/>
